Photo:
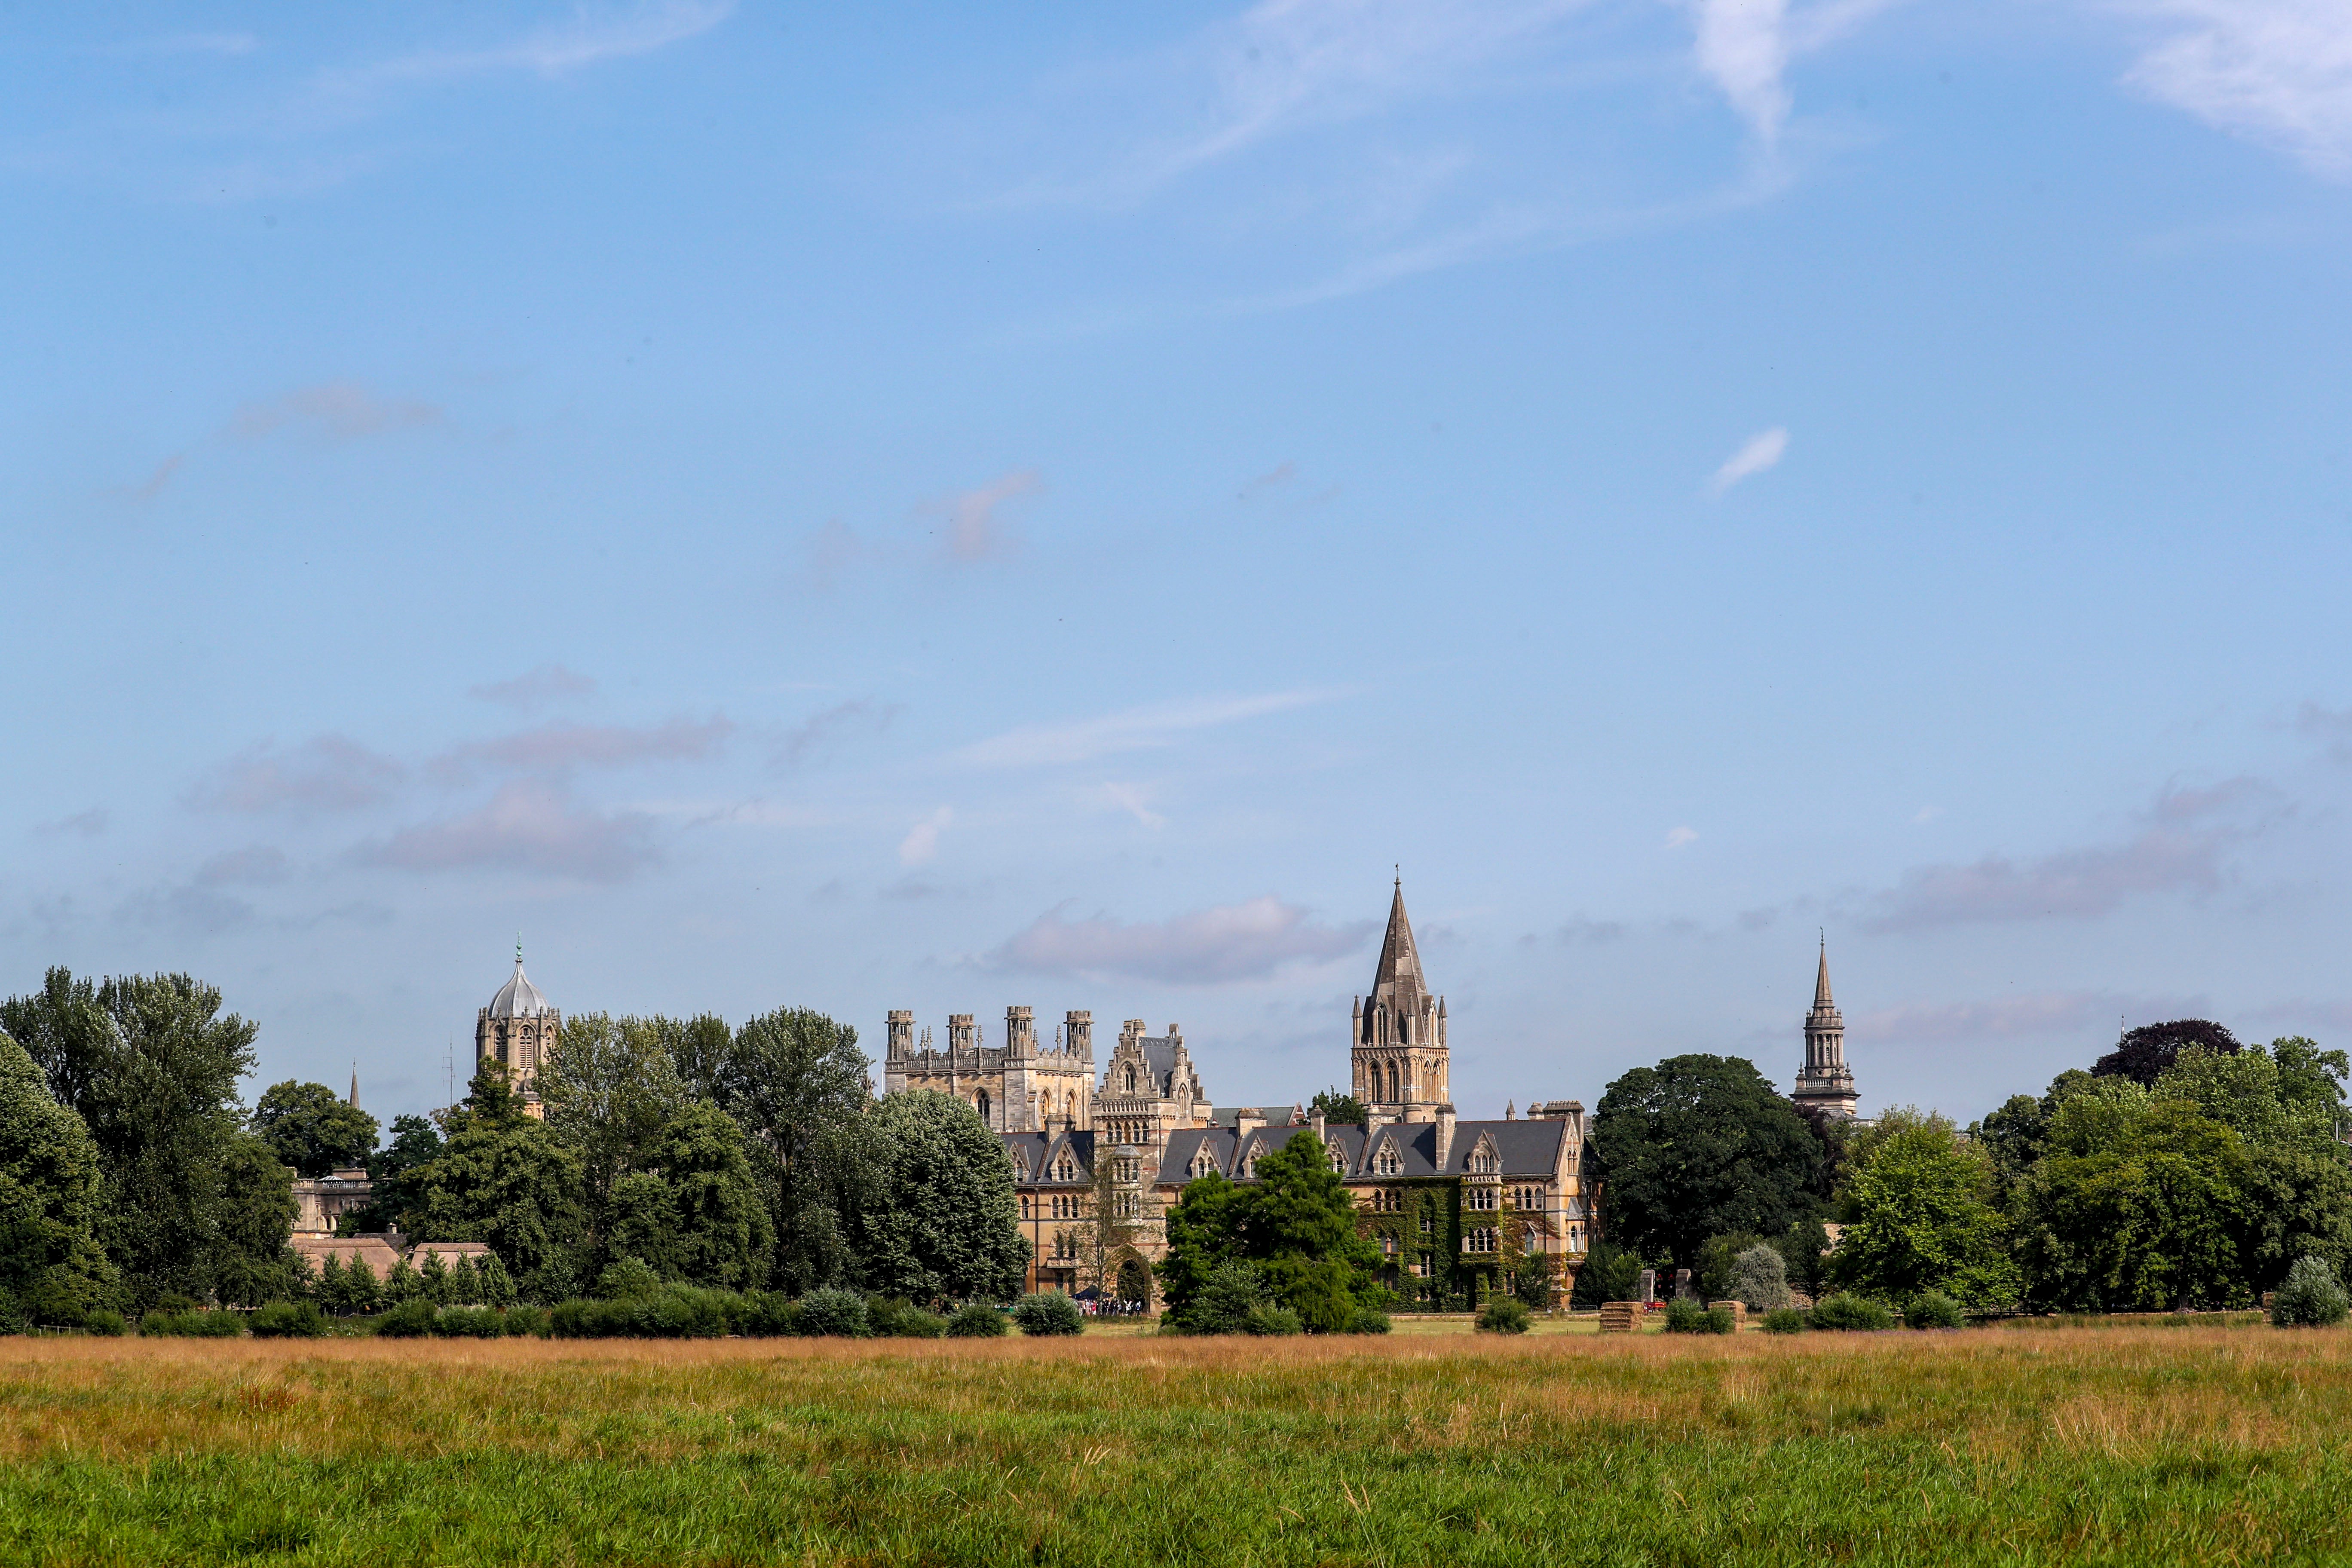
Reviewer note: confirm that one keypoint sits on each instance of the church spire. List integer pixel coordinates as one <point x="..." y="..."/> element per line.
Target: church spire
<point x="1825" y="1083"/>
<point x="1399" y="981"/>
<point x="1822" y="981"/>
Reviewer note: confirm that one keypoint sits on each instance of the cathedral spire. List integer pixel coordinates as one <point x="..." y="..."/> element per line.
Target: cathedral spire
<point x="1822" y="981"/>
<point x="1399" y="981"/>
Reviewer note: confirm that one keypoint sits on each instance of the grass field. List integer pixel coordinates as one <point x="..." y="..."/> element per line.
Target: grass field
<point x="2206" y="1444"/>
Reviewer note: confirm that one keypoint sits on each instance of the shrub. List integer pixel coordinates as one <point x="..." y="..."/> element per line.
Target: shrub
<point x="531" y="1320"/>
<point x="287" y="1321"/>
<point x="768" y="1314"/>
<point x="1369" y="1320"/>
<point x="672" y="1312"/>
<point x="1272" y="1323"/>
<point x="468" y="1323"/>
<point x="412" y="1320"/>
<point x="1760" y="1278"/>
<point x="103" y="1323"/>
<point x="1784" y="1320"/>
<point x="894" y="1317"/>
<point x="1051" y="1313"/>
<point x="1850" y="1313"/>
<point x="192" y="1325"/>
<point x="1503" y="1315"/>
<point x="832" y="1313"/>
<point x="1935" y="1311"/>
<point x="1226" y="1303"/>
<point x="628" y="1277"/>
<point x="977" y="1320"/>
<point x="1686" y="1317"/>
<point x="2311" y="1298"/>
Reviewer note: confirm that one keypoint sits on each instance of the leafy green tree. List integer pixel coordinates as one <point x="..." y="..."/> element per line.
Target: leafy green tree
<point x="397" y="1202"/>
<point x="506" y="1179"/>
<point x="1338" y="1110"/>
<point x="2143" y="1055"/>
<point x="796" y="1083"/>
<point x="151" y="1065"/>
<point x="1296" y="1230"/>
<point x="2136" y="1202"/>
<point x="1700" y="1146"/>
<point x="609" y="1090"/>
<point x="699" y="1216"/>
<point x="1300" y="1228"/>
<point x="1920" y="1217"/>
<point x="313" y="1129"/>
<point x="944" y="1224"/>
<point x="52" y="1269"/>
<point x="698" y="1046"/>
<point x="250" y="1262"/>
<point x="1804" y="1249"/>
<point x="1609" y="1273"/>
<point x="2285" y="1101"/>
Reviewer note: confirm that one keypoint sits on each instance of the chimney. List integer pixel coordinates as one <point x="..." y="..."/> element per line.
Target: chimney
<point x="1444" y="1135"/>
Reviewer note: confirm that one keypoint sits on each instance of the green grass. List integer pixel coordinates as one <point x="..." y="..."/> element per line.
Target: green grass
<point x="2130" y="1444"/>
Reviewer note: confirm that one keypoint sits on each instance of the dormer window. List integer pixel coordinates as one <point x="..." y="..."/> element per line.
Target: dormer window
<point x="1386" y="1162"/>
<point x="1338" y="1163"/>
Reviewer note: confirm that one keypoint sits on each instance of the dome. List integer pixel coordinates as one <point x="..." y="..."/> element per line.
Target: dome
<point x="519" y="998"/>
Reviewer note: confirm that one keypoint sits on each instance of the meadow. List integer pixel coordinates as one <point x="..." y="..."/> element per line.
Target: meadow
<point x="2123" y="1444"/>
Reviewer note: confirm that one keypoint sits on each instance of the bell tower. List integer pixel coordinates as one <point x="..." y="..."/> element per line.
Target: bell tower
<point x="1825" y="1082"/>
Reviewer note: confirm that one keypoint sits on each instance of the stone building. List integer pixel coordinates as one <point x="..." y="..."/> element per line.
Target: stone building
<point x="1015" y="1087"/>
<point x="1825" y="1083"/>
<point x="1456" y="1205"/>
<point x="519" y="1029"/>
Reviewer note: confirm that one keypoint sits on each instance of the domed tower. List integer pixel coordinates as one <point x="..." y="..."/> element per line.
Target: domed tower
<point x="1399" y="1055"/>
<point x="1825" y="1083"/>
<point x="519" y="1028"/>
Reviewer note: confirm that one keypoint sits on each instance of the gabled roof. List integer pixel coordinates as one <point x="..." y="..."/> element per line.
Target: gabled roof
<point x="1524" y="1148"/>
<point x="1040" y="1152"/>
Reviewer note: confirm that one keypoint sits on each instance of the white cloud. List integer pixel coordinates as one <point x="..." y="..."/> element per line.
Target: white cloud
<point x="548" y="683"/>
<point x="1761" y="452"/>
<point x="328" y="772"/>
<point x="2276" y="71"/>
<point x="922" y="841"/>
<point x="557" y="747"/>
<point x="1137" y="801"/>
<point x="1680" y="836"/>
<point x="1229" y="942"/>
<point x="1745" y="47"/>
<point x="592" y="35"/>
<point x="339" y="410"/>
<point x="1132" y="729"/>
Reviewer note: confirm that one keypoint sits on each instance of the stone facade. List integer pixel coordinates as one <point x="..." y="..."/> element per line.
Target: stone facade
<point x="1015" y="1087"/>
<point x="1455" y="1206"/>
<point x="1825" y="1083"/>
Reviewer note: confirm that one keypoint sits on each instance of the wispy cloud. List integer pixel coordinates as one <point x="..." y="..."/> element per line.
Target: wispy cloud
<point x="1136" y="801"/>
<point x="529" y="826"/>
<point x="1231" y="942"/>
<point x="1679" y="837"/>
<point x="557" y="748"/>
<point x="547" y="684"/>
<point x="823" y="729"/>
<point x="974" y="530"/>
<point x="2278" y="72"/>
<point x="327" y="773"/>
<point x="2179" y="849"/>
<point x="1745" y="48"/>
<point x="206" y="901"/>
<point x="921" y="844"/>
<point x="339" y="411"/>
<point x="1761" y="451"/>
<point x="86" y="824"/>
<point x="1132" y="729"/>
<point x="590" y="37"/>
<point x="2092" y="1015"/>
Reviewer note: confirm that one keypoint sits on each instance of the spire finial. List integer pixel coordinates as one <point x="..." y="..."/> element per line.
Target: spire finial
<point x="517" y="950"/>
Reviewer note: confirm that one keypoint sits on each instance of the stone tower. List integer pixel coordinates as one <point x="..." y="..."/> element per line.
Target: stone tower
<point x="1399" y="1054"/>
<point x="1018" y="1086"/>
<point x="1825" y="1082"/>
<point x="519" y="1028"/>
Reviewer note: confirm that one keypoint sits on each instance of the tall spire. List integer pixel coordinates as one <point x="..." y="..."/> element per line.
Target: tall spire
<point x="355" y="1086"/>
<point x="1822" y="981"/>
<point x="1825" y="1083"/>
<point x="1399" y="981"/>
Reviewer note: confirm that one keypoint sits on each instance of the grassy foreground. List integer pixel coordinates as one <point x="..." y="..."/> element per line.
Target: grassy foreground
<point x="2122" y="1444"/>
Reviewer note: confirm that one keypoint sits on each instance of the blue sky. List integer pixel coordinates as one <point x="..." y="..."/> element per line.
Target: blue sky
<point x="953" y="507"/>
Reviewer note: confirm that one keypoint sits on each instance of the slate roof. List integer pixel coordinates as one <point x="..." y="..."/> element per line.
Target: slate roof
<point x="1525" y="1148"/>
<point x="1037" y="1151"/>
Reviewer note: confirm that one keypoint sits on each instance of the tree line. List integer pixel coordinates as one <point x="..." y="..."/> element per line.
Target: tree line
<point x="2181" y="1169"/>
<point x="751" y="1157"/>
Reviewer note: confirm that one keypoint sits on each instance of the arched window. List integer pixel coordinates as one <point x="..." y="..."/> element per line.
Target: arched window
<point x="980" y="1103"/>
<point x="1127" y="1079"/>
<point x="1339" y="1162"/>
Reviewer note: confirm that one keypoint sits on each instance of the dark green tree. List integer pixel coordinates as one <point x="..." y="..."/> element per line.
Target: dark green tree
<point x="1299" y="1226"/>
<point x="313" y="1129"/>
<point x="2142" y="1054"/>
<point x="1338" y="1110"/>
<point x="1205" y="1229"/>
<point x="506" y="1179"/>
<point x="251" y="1263"/>
<point x="795" y="1082"/>
<point x="151" y="1065"/>
<point x="943" y="1224"/>
<point x="1609" y="1273"/>
<point x="397" y="1202"/>
<point x="2137" y="1203"/>
<point x="52" y="1269"/>
<point x="1700" y="1146"/>
<point x="698" y="1045"/>
<point x="2285" y="1102"/>
<point x="609" y="1091"/>
<point x="698" y="1217"/>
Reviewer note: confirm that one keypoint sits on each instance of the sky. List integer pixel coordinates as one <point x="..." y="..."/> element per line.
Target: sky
<point x="953" y="507"/>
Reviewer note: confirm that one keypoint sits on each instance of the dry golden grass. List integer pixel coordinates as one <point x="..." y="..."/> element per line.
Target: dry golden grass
<point x="2118" y="1444"/>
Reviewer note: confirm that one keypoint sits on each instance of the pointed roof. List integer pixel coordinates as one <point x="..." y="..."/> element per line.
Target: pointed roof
<point x="1399" y="983"/>
<point x="519" y="998"/>
<point x="1822" y="981"/>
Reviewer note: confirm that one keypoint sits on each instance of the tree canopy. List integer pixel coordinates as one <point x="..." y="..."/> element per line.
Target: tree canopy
<point x="942" y="1224"/>
<point x="1920" y="1217"/>
<point x="1295" y="1228"/>
<point x="52" y="1269"/>
<point x="2143" y="1054"/>
<point x="1700" y="1146"/>
<point x="313" y="1129"/>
